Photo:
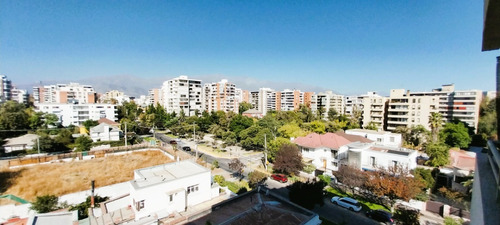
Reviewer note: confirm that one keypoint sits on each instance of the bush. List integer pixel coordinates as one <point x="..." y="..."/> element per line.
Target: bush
<point x="451" y="221"/>
<point x="256" y="177"/>
<point x="307" y="194"/>
<point x="220" y="180"/>
<point x="215" y="164"/>
<point x="325" y="179"/>
<point x="425" y="176"/>
<point x="84" y="206"/>
<point x="45" y="203"/>
<point x="407" y="216"/>
<point x="309" y="168"/>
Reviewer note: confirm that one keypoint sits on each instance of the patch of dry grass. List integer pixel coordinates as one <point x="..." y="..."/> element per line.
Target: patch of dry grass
<point x="63" y="178"/>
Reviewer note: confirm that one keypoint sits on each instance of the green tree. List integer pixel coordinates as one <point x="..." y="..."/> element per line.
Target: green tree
<point x="456" y="135"/>
<point x="372" y="126"/>
<point x="237" y="166"/>
<point x="317" y="126"/>
<point x="239" y="123"/>
<point x="438" y="154"/>
<point x="13" y="116"/>
<point x="332" y="114"/>
<point x="435" y="122"/>
<point x="45" y="203"/>
<point x="418" y="136"/>
<point x="407" y="216"/>
<point x="291" y="130"/>
<point x="83" y="143"/>
<point x="425" y="176"/>
<point x="487" y="126"/>
<point x="274" y="145"/>
<point x="307" y="194"/>
<point x="35" y="120"/>
<point x="288" y="160"/>
<point x="255" y="178"/>
<point x="64" y="137"/>
<point x="46" y="143"/>
<point x="89" y="124"/>
<point x="50" y="120"/>
<point x="320" y="112"/>
<point x="244" y="106"/>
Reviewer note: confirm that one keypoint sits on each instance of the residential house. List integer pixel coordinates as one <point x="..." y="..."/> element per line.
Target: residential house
<point x="105" y="132"/>
<point x="380" y="137"/>
<point x="170" y="188"/>
<point x="21" y="143"/>
<point x="371" y="156"/>
<point x="253" y="113"/>
<point x="326" y="151"/>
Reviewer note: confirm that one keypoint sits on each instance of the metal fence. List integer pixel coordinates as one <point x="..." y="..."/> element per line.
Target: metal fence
<point x="494" y="158"/>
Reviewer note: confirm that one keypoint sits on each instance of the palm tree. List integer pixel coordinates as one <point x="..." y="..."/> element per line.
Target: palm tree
<point x="435" y="122"/>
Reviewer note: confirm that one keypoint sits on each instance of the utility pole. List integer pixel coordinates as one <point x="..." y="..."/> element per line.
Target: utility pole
<point x="265" y="151"/>
<point x="126" y="134"/>
<point x="38" y="143"/>
<point x="194" y="139"/>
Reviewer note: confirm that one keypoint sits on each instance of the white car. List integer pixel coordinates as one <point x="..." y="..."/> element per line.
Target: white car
<point x="347" y="203"/>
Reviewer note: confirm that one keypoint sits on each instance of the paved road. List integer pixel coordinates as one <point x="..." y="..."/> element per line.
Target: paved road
<point x="329" y="211"/>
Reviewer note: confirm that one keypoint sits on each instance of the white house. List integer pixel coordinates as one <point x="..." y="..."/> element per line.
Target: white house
<point x="370" y="156"/>
<point x="170" y="188"/>
<point x="21" y="143"/>
<point x="326" y="151"/>
<point x="380" y="137"/>
<point x="105" y="132"/>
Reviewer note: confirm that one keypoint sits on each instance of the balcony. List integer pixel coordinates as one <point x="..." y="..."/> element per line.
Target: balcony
<point x="485" y="203"/>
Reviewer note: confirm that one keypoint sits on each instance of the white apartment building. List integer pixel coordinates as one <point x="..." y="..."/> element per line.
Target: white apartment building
<point x="373" y="109"/>
<point x="19" y="95"/>
<point x="118" y="96"/>
<point x="221" y="96"/>
<point x="105" y="132"/>
<point x="5" y="89"/>
<point x="263" y="100"/>
<point x="170" y="188"/>
<point x="289" y="100"/>
<point x="353" y="103"/>
<point x="409" y="109"/>
<point x="379" y="137"/>
<point x="328" y="100"/>
<point x="76" y="114"/>
<point x="64" y="93"/>
<point x="182" y="94"/>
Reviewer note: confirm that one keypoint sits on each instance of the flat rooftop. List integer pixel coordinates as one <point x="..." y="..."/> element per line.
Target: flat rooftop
<point x="396" y="151"/>
<point x="369" y="131"/>
<point x="165" y="173"/>
<point x="257" y="207"/>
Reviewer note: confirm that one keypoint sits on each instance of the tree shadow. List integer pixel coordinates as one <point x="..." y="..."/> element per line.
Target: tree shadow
<point x="7" y="177"/>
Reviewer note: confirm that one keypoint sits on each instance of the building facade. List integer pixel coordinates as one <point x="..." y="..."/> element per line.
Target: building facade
<point x="5" y="89"/>
<point x="222" y="96"/>
<point x="76" y="114"/>
<point x="328" y="100"/>
<point x="182" y="94"/>
<point x="65" y="93"/>
<point x="373" y="109"/>
<point x="409" y="109"/>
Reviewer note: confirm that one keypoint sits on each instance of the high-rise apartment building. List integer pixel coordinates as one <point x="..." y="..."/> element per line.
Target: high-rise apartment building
<point x="114" y="97"/>
<point x="5" y="89"/>
<point x="373" y="109"/>
<point x="19" y="95"/>
<point x="290" y="100"/>
<point x="414" y="108"/>
<point x="328" y="100"/>
<point x="182" y="94"/>
<point x="64" y="93"/>
<point x="263" y="100"/>
<point x="353" y="104"/>
<point x="221" y="96"/>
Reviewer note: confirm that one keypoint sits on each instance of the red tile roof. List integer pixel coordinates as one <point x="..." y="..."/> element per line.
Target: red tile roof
<point x="330" y="140"/>
<point x="108" y="121"/>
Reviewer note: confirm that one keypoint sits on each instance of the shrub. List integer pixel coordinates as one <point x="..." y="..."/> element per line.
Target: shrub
<point x="220" y="180"/>
<point x="309" y="168"/>
<point x="325" y="179"/>
<point x="451" y="221"/>
<point x="215" y="164"/>
<point x="407" y="216"/>
<point x="256" y="177"/>
<point x="83" y="206"/>
<point x="45" y="203"/>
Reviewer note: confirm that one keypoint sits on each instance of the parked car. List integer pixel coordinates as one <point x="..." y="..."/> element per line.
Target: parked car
<point x="186" y="148"/>
<point x="279" y="177"/>
<point x="347" y="203"/>
<point x="381" y="216"/>
<point x="173" y="142"/>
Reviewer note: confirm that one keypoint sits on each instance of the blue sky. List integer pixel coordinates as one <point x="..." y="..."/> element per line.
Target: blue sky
<point x="350" y="47"/>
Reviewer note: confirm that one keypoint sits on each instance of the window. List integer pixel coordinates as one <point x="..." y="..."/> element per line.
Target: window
<point x="139" y="205"/>
<point x="391" y="139"/>
<point x="192" y="189"/>
<point x="171" y="197"/>
<point x="379" y="139"/>
<point x="372" y="161"/>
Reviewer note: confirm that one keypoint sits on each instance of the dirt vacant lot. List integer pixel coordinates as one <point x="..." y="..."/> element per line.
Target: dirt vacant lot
<point x="63" y="178"/>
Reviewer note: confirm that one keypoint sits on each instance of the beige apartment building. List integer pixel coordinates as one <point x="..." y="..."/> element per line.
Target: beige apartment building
<point x="221" y="96"/>
<point x="373" y="109"/>
<point x="409" y="109"/>
<point x="328" y="100"/>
